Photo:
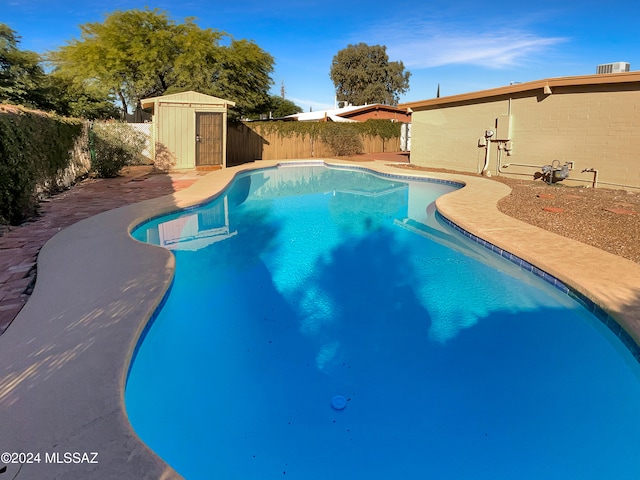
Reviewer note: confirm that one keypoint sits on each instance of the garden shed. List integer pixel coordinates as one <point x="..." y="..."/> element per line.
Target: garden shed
<point x="189" y="130"/>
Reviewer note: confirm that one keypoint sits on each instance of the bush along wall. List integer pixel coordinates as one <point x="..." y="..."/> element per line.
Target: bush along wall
<point x="115" y="145"/>
<point x="257" y="140"/>
<point x="35" y="150"/>
<point x="324" y="130"/>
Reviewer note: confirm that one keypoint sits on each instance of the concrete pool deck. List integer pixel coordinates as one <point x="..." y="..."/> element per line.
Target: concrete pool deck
<point x="64" y="360"/>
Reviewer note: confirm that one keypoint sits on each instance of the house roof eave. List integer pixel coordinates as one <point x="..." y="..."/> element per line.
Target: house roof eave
<point x="545" y="85"/>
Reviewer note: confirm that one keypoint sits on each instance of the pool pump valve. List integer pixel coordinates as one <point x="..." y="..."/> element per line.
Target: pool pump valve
<point x="555" y="173"/>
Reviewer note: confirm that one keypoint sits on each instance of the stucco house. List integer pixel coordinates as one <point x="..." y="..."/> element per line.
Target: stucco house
<point x="589" y="124"/>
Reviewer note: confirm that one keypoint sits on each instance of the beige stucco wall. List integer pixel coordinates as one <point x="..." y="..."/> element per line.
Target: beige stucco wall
<point x="594" y="126"/>
<point x="447" y="137"/>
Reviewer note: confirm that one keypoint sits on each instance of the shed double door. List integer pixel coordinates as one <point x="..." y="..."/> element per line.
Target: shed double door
<point x="208" y="139"/>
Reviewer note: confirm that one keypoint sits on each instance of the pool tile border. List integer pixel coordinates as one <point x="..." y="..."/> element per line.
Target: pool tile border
<point x="96" y="336"/>
<point x="313" y="163"/>
<point x="397" y="176"/>
<point x="587" y="303"/>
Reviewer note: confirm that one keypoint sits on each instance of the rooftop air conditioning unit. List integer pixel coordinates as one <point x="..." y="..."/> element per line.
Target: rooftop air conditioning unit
<point x="615" y="67"/>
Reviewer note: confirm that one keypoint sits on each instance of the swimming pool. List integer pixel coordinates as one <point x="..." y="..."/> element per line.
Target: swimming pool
<point x="301" y="284"/>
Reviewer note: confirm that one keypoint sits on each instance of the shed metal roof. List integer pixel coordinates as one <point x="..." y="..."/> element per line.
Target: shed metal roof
<point x="187" y="97"/>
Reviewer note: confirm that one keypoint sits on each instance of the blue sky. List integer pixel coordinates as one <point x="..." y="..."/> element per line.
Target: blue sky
<point x="463" y="46"/>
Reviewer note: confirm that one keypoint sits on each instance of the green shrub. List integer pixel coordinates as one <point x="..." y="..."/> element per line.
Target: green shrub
<point x="34" y="150"/>
<point x="115" y="145"/>
<point x="342" y="139"/>
<point x="381" y="128"/>
<point x="373" y="127"/>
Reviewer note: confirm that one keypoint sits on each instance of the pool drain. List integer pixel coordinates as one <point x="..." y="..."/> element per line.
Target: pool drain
<point x="339" y="402"/>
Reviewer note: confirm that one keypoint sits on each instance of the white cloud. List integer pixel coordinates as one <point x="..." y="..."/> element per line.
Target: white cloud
<point x="430" y="44"/>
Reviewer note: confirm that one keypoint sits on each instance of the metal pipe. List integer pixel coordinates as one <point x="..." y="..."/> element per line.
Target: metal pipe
<point x="522" y="165"/>
<point x="593" y="182"/>
<point x="488" y="134"/>
<point x="617" y="184"/>
<point x="595" y="175"/>
<point x="486" y="157"/>
<point x="501" y="148"/>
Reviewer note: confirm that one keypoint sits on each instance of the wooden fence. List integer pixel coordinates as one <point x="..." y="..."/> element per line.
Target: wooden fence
<point x="247" y="144"/>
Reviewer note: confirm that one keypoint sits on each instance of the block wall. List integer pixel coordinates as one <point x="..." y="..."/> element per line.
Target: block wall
<point x="595" y="127"/>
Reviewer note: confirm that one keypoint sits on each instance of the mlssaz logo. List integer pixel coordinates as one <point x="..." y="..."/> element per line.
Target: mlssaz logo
<point x="71" y="457"/>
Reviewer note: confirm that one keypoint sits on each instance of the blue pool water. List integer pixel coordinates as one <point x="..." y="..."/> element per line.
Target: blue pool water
<point x="325" y="323"/>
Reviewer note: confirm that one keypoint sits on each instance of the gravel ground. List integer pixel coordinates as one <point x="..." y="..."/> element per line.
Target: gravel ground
<point x="605" y="218"/>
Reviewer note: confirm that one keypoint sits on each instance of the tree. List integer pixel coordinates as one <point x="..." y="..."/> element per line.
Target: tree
<point x="363" y="74"/>
<point x="21" y="76"/>
<point x="243" y="75"/>
<point x="24" y="82"/>
<point x="281" y="107"/>
<point x="276" y="107"/>
<point x="71" y="99"/>
<point x="138" y="54"/>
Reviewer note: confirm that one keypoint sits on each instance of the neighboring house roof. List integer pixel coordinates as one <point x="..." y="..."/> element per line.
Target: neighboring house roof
<point x="343" y="114"/>
<point x="545" y="86"/>
<point x="374" y="107"/>
<point x="333" y="114"/>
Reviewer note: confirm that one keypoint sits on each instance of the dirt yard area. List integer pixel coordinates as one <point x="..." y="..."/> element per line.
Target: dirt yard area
<point x="605" y="218"/>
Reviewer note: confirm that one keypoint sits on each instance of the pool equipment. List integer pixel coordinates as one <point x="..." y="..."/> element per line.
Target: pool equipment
<point x="595" y="175"/>
<point x="487" y="144"/>
<point x="555" y="173"/>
